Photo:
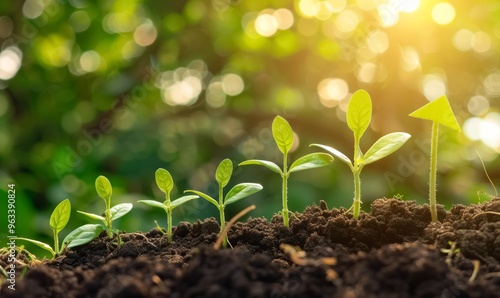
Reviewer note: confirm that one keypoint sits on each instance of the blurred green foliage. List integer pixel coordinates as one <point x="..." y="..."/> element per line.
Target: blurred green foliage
<point x="121" y="88"/>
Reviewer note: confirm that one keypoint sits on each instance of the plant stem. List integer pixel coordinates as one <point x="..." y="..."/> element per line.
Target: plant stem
<point x="56" y="242"/>
<point x="169" y="218"/>
<point x="433" y="171"/>
<point x="357" y="193"/>
<point x="285" y="191"/>
<point x="222" y="215"/>
<point x="108" y="218"/>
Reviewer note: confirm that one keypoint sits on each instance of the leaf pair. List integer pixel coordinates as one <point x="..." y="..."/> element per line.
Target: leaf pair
<point x="222" y="176"/>
<point x="283" y="136"/>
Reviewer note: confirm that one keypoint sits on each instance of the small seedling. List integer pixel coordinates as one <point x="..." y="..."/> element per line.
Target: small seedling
<point x="238" y="192"/>
<point x="58" y="221"/>
<point x="166" y="184"/>
<point x="439" y="112"/>
<point x="359" y="113"/>
<point x="283" y="136"/>
<point x="104" y="190"/>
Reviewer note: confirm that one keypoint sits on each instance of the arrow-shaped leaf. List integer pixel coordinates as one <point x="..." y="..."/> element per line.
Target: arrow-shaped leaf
<point x="440" y="111"/>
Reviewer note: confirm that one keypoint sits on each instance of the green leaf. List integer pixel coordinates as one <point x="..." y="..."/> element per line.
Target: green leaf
<point x="268" y="164"/>
<point x="224" y="172"/>
<point x="182" y="200"/>
<point x="310" y="161"/>
<point x="82" y="235"/>
<point x="241" y="191"/>
<point x="60" y="216"/>
<point x="282" y="134"/>
<point x="92" y="215"/>
<point x="385" y="146"/>
<point x="164" y="180"/>
<point x="120" y="210"/>
<point x="335" y="153"/>
<point x="37" y="243"/>
<point x="359" y="113"/>
<point x="205" y="196"/>
<point x="440" y="111"/>
<point x="103" y="187"/>
<point x="152" y="203"/>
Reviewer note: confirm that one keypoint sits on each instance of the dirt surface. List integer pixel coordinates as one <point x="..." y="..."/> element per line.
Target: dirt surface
<point x="393" y="252"/>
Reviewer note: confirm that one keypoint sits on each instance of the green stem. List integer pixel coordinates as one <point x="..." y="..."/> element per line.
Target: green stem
<point x="285" y="191"/>
<point x="169" y="218"/>
<point x="222" y="215"/>
<point x="433" y="171"/>
<point x="56" y="242"/>
<point x="108" y="218"/>
<point x="357" y="194"/>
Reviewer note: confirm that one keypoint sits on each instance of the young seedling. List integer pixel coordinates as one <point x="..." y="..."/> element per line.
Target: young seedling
<point x="439" y="112"/>
<point x="166" y="184"/>
<point x="359" y="113"/>
<point x="58" y="221"/>
<point x="283" y="136"/>
<point x="104" y="190"/>
<point x="238" y="192"/>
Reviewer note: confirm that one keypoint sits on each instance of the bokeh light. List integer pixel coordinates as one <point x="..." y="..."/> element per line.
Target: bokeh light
<point x="443" y="13"/>
<point x="332" y="90"/>
<point x="10" y="62"/>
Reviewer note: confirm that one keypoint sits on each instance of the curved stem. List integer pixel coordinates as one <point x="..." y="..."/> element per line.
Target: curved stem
<point x="433" y="171"/>
<point x="285" y="191"/>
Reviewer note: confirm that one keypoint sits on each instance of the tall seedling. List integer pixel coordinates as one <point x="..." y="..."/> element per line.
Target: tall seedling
<point x="439" y="112"/>
<point x="238" y="192"/>
<point x="283" y="136"/>
<point x="166" y="184"/>
<point x="359" y="114"/>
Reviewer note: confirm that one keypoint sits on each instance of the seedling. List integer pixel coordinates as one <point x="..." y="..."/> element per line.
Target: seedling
<point x="104" y="190"/>
<point x="439" y="112"/>
<point x="166" y="184"/>
<point x="359" y="113"/>
<point x="283" y="136"/>
<point x="238" y="192"/>
<point x="58" y="221"/>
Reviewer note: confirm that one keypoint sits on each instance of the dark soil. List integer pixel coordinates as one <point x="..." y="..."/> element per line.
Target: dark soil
<point x="393" y="252"/>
